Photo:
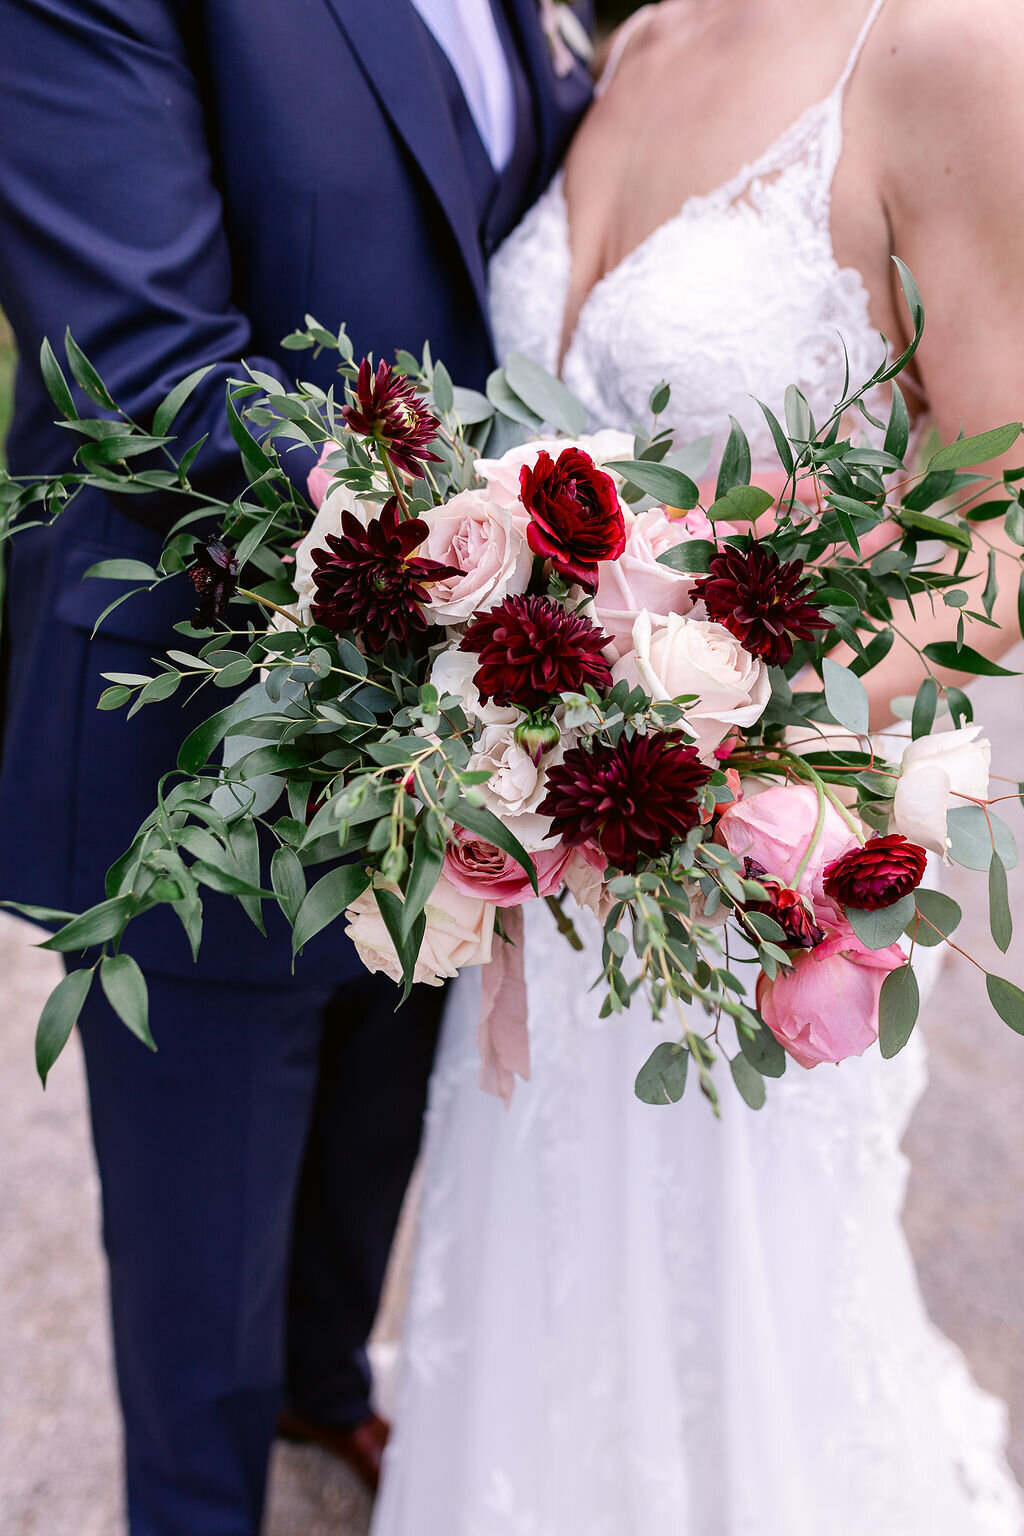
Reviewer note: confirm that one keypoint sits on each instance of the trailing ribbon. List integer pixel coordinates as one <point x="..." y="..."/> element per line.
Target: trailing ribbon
<point x="503" y="1034"/>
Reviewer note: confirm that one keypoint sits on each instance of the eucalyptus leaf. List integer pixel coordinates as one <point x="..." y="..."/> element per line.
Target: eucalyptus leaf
<point x="967" y="828"/>
<point x="749" y="1081"/>
<point x="1008" y="1001"/>
<point x="898" y="1006"/>
<point x="1000" y="919"/>
<point x="545" y="395"/>
<point x="877" y="930"/>
<point x="941" y="912"/>
<point x="667" y="485"/>
<point x="846" y="697"/>
<point x="662" y="1078"/>
<point x="764" y="1052"/>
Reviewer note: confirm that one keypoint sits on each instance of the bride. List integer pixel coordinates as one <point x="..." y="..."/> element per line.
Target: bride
<point x="630" y="1321"/>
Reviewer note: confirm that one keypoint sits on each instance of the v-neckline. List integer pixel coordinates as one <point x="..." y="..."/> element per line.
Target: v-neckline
<point x="724" y="192"/>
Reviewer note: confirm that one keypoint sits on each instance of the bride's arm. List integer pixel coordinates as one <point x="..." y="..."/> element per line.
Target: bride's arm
<point x="954" y="191"/>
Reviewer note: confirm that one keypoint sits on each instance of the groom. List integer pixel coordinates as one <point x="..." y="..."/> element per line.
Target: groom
<point x="181" y="181"/>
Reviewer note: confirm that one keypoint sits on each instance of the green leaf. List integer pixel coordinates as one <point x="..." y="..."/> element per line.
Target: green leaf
<point x="782" y="443"/>
<point x="662" y="1078"/>
<point x="743" y="503"/>
<point x="505" y="400"/>
<point x="330" y="896"/>
<point x="443" y="389"/>
<point x="59" y="1017"/>
<point x="289" y="882"/>
<point x="991" y="592"/>
<point x="200" y="743"/>
<point x="104" y="921"/>
<point x="245" y="848"/>
<point x="121" y="570"/>
<point x="934" y="528"/>
<point x="971" y="841"/>
<point x="1007" y="1000"/>
<point x="846" y="697"/>
<point x="407" y="946"/>
<point x="167" y="410"/>
<point x="224" y="880"/>
<point x="56" y="384"/>
<point x="735" y="468"/>
<point x="898" y="1006"/>
<point x="897" y="437"/>
<point x="764" y="1052"/>
<point x="799" y="421"/>
<point x="476" y="818"/>
<point x="128" y="995"/>
<point x="667" y="485"/>
<point x="999" y="916"/>
<point x="693" y="555"/>
<point x="945" y="653"/>
<point x="766" y="927"/>
<point x="941" y="911"/>
<point x="85" y="374"/>
<point x="925" y="705"/>
<point x="977" y="450"/>
<point x="877" y="930"/>
<point x="427" y="860"/>
<point x="749" y="1081"/>
<point x="545" y="395"/>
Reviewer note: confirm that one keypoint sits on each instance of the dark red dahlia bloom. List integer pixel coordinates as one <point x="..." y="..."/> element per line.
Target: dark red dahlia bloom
<point x="215" y="578"/>
<point x="366" y="580"/>
<point x="878" y="875"/>
<point x="633" y="800"/>
<point x="532" y="649"/>
<point x="575" y="516"/>
<point x="787" y="907"/>
<point x="390" y="410"/>
<point x="760" y="599"/>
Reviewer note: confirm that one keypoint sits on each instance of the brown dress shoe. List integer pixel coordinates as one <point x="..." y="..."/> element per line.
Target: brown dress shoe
<point x="361" y="1447"/>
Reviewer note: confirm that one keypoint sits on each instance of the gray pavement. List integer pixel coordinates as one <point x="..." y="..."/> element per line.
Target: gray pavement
<point x="59" y="1434"/>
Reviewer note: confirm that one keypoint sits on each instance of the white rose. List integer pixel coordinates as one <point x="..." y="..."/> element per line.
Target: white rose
<point x="502" y="475"/>
<point x="637" y="581"/>
<point x="675" y="655"/>
<point x="487" y="543"/>
<point x="340" y="498"/>
<point x="517" y="784"/>
<point x="459" y="932"/>
<point x="453" y="672"/>
<point x="937" y="772"/>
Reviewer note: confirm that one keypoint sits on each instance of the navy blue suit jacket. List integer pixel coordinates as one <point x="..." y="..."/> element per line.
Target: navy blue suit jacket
<point x="180" y="184"/>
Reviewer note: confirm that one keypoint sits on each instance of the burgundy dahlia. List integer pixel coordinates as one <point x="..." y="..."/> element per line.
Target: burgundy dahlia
<point x="633" y="800"/>
<point x="788" y="908"/>
<point x="760" y="599"/>
<point x="532" y="649"/>
<point x="215" y="578"/>
<point x="575" y="516"/>
<point x="367" y="579"/>
<point x="389" y="409"/>
<point x="878" y="875"/>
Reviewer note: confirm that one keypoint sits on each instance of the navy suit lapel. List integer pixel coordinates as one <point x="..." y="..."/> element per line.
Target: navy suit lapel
<point x="560" y="101"/>
<point x="395" y="51"/>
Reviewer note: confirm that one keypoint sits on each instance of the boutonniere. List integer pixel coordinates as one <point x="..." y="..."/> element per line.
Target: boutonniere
<point x="567" y="37"/>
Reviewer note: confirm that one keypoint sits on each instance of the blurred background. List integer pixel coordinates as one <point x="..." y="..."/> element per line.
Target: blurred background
<point x="59" y="1432"/>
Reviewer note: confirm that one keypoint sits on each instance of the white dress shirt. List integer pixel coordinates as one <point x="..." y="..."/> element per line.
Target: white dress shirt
<point x="468" y="33"/>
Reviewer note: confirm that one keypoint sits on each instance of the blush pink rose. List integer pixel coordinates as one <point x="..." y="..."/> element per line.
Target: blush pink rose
<point x="459" y="933"/>
<point x="320" y="479"/>
<point x="636" y="581"/>
<point x="487" y="543"/>
<point x="774" y="829"/>
<point x="585" y="882"/>
<point x="826" y="1007"/>
<point x="478" y="868"/>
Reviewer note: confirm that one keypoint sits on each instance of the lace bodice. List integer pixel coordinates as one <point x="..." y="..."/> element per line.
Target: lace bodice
<point x="733" y="299"/>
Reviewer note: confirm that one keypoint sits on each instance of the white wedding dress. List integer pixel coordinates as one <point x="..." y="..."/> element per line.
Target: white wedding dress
<point x="633" y="1321"/>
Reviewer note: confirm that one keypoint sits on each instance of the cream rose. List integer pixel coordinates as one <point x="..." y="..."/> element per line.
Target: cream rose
<point x="338" y="499"/>
<point x="517" y="784"/>
<point x="502" y="475"/>
<point x="938" y="772"/>
<point x="675" y="655"/>
<point x="459" y="933"/>
<point x="453" y="672"/>
<point x="584" y="880"/>
<point x="636" y="581"/>
<point x="485" y="541"/>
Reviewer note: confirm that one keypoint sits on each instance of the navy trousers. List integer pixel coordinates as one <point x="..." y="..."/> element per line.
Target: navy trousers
<point x="253" y="1172"/>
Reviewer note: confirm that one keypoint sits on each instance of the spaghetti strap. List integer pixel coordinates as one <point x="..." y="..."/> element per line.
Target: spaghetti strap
<point x="858" y="47"/>
<point x="625" y="35"/>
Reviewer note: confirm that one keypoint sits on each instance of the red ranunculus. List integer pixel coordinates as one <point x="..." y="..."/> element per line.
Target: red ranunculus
<point x="878" y="875"/>
<point x="791" y="910"/>
<point x="575" y="516"/>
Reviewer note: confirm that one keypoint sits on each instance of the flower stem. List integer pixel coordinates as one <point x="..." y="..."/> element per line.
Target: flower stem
<point x="565" y="925"/>
<point x="396" y="484"/>
<point x="265" y="602"/>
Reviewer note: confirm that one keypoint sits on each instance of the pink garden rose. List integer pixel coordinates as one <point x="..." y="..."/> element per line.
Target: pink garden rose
<point x="502" y="476"/>
<point x="585" y="882"/>
<point x="826" y="1007"/>
<point x="478" y="868"/>
<point x="774" y="829"/>
<point x="486" y="542"/>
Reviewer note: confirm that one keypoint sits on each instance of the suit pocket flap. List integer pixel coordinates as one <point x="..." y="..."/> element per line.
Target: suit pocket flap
<point x="147" y="617"/>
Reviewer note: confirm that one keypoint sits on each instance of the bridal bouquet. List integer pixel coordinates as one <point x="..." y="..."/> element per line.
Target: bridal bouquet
<point x="493" y="660"/>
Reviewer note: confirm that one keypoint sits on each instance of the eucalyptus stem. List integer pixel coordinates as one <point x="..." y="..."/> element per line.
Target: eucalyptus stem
<point x="264" y="602"/>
